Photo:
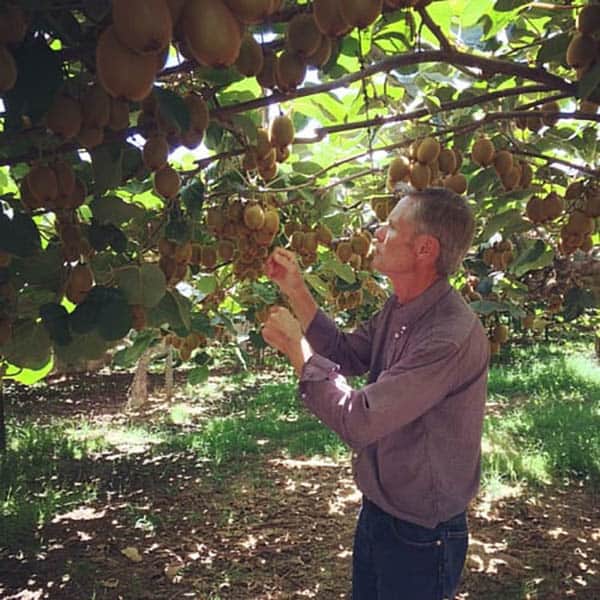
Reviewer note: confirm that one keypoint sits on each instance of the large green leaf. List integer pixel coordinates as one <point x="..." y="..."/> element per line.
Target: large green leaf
<point x="145" y="285"/>
<point x="112" y="209"/>
<point x="30" y="346"/>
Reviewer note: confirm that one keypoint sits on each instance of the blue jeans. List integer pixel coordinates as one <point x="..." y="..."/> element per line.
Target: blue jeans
<point x="398" y="560"/>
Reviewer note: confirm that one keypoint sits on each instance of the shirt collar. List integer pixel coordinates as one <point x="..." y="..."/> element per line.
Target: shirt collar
<point x="416" y="308"/>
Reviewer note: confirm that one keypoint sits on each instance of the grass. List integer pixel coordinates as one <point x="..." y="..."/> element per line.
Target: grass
<point x="543" y="423"/>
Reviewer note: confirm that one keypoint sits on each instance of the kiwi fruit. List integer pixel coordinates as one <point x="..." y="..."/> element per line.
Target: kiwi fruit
<point x="122" y="72"/>
<point x="329" y="18"/>
<point x="456" y="182"/>
<point x="13" y="24"/>
<point x="254" y="217"/>
<point x="212" y="33"/>
<point x="360" y="13"/>
<point x="251" y="11"/>
<point x="447" y="161"/>
<point x="118" y="119"/>
<point x="144" y="26"/>
<point x="344" y="251"/>
<point x="8" y="70"/>
<point x="65" y="179"/>
<point x="65" y="117"/>
<point x="549" y="110"/>
<point x="322" y="54"/>
<point x="90" y="137"/>
<point x="503" y="162"/>
<point x="290" y="71"/>
<point x="399" y="169"/>
<point x="588" y="19"/>
<point x="420" y="176"/>
<point x="483" y="152"/>
<point x="155" y="153"/>
<point x="266" y="76"/>
<point x="282" y="131"/>
<point x="428" y="151"/>
<point x="500" y="334"/>
<point x="535" y="210"/>
<point x="303" y="37"/>
<point x="581" y="51"/>
<point x="250" y="60"/>
<point x="552" y="206"/>
<point x="167" y="182"/>
<point x="43" y="185"/>
<point x="199" y="112"/>
<point x="95" y="107"/>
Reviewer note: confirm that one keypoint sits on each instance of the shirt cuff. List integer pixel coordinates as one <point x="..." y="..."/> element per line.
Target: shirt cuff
<point x="318" y="368"/>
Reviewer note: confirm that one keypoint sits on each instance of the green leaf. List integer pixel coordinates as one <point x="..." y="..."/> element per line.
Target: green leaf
<point x="28" y="376"/>
<point x="198" y="375"/>
<point x="509" y="5"/>
<point x="317" y="284"/>
<point x="487" y="307"/>
<point x="173" y="107"/>
<point x="107" y="161"/>
<point x="83" y="348"/>
<point x="554" y="49"/>
<point x="114" y="319"/>
<point x="173" y="310"/>
<point x="29" y="347"/>
<point x="145" y="285"/>
<point x="206" y="285"/>
<point x="128" y="357"/>
<point x="509" y="220"/>
<point x="112" y="209"/>
<point x="342" y="270"/>
<point x="19" y="235"/>
<point x="307" y="167"/>
<point x="536" y="255"/>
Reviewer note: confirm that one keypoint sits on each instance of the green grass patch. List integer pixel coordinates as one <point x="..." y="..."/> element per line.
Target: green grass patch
<point x="549" y="423"/>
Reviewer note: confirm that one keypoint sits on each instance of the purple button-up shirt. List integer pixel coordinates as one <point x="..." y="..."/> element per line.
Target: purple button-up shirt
<point x="416" y="427"/>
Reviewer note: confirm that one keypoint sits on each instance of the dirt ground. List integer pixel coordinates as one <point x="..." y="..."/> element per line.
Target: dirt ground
<point x="164" y="527"/>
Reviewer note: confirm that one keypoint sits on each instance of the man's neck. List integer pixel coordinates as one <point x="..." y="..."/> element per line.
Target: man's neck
<point x="411" y="286"/>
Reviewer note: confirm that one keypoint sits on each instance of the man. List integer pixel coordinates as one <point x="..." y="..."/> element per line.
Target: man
<point x="415" y="428"/>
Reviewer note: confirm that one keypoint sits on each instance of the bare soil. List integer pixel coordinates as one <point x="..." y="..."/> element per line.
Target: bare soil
<point x="273" y="528"/>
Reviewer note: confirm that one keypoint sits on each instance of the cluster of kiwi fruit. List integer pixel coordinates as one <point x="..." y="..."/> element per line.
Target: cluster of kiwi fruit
<point x="185" y="345"/>
<point x="585" y="196"/>
<point x="583" y="52"/>
<point x="152" y="123"/>
<point x="513" y="173"/>
<point x="534" y="122"/>
<point x="355" y="250"/>
<point x="499" y="255"/>
<point x="428" y="164"/>
<point x="542" y="210"/>
<point x="13" y="27"/>
<point x="52" y="186"/>
<point x="271" y="147"/>
<point x="174" y="259"/>
<point x="498" y="336"/>
<point x="74" y="245"/>
<point x="304" y="240"/>
<point x="245" y="229"/>
<point x="347" y="299"/>
<point x="576" y="233"/>
<point x="86" y="117"/>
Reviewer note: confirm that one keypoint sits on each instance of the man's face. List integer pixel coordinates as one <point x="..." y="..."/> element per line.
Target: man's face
<point x="395" y="242"/>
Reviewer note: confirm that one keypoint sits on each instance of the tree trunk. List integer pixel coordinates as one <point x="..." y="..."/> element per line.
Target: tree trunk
<point x="137" y="394"/>
<point x="169" y="373"/>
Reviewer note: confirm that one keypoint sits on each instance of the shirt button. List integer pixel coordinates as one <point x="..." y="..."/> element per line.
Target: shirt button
<point x="396" y="335"/>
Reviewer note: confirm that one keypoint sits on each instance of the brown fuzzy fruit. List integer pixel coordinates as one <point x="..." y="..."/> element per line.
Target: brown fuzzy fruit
<point x="95" y="107"/>
<point x="254" y="217"/>
<point x="500" y="334"/>
<point x="526" y="175"/>
<point x="65" y="179"/>
<point x="588" y="19"/>
<point x="81" y="277"/>
<point x="579" y="222"/>
<point x="360" y="13"/>
<point x="250" y="60"/>
<point x="447" y="161"/>
<point x="535" y="209"/>
<point x="483" y="152"/>
<point x="282" y="131"/>
<point x="78" y="195"/>
<point x="344" y="251"/>
<point x="322" y="54"/>
<point x="456" y="182"/>
<point x="329" y="18"/>
<point x="266" y="76"/>
<point x="212" y="33"/>
<point x="144" y="26"/>
<point x="250" y="11"/>
<point x="90" y="137"/>
<point x="428" y="151"/>
<point x="303" y="36"/>
<point x="13" y="24"/>
<point x="510" y="180"/>
<point x="290" y="71"/>
<point x="43" y="185"/>
<point x="399" y="169"/>
<point x="503" y="162"/>
<point x="360" y="244"/>
<point x="122" y="72"/>
<point x="225" y="250"/>
<point x="155" y="153"/>
<point x="199" y="113"/>
<point x="64" y="117"/>
<point x="8" y="70"/>
<point x="550" y="109"/>
<point x="581" y="51"/>
<point x="167" y="182"/>
<point x="271" y="223"/>
<point x="119" y="115"/>
<point x="553" y="206"/>
<point x="420" y="176"/>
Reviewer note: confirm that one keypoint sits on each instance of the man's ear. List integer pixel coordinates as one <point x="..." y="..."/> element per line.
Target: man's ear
<point x="428" y="248"/>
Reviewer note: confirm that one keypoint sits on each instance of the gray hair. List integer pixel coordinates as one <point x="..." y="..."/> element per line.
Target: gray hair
<point x="447" y="216"/>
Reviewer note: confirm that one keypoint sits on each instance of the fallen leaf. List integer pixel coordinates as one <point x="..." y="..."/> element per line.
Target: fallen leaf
<point x="132" y="554"/>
